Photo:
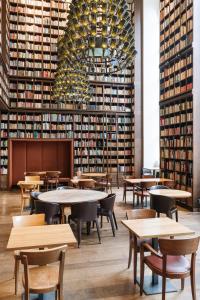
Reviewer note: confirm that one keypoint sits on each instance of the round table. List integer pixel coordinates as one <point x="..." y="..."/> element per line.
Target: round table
<point x="171" y="193"/>
<point x="71" y="196"/>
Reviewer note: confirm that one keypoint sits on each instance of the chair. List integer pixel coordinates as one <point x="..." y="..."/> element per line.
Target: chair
<point x="106" y="209"/>
<point x="33" y="178"/>
<point x="64" y="188"/>
<point x="158" y="187"/>
<point x="51" y="211"/>
<point x="134" y="243"/>
<point x="22" y="221"/>
<point x="106" y="183"/>
<point x="84" y="212"/>
<point x="142" y="193"/>
<point x="64" y="180"/>
<point x="127" y="187"/>
<point x="44" y="276"/>
<point x="52" y="179"/>
<point x="26" y="189"/>
<point x="171" y="263"/>
<point x="86" y="184"/>
<point x="164" y="205"/>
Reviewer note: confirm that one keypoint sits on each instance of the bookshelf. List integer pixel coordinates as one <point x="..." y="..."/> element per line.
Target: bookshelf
<point x="102" y="130"/>
<point x="176" y="94"/>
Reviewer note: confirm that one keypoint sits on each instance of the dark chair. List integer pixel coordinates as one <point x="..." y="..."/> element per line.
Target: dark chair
<point x="51" y="211"/>
<point x="134" y="242"/>
<point x="33" y="197"/>
<point x="84" y="212"/>
<point x="106" y="209"/>
<point x="158" y="187"/>
<point x="105" y="183"/>
<point x="164" y="205"/>
<point x="86" y="184"/>
<point x="127" y="187"/>
<point x="171" y="263"/>
<point x="64" y="188"/>
<point x="142" y="191"/>
<point x="52" y="179"/>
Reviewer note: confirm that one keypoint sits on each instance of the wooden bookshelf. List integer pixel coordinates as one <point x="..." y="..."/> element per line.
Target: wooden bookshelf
<point x="102" y="130"/>
<point x="176" y="93"/>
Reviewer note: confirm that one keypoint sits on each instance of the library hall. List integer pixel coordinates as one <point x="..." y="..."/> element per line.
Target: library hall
<point x="99" y="149"/>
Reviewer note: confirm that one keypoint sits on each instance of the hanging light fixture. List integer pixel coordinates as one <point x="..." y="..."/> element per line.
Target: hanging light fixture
<point x="100" y="35"/>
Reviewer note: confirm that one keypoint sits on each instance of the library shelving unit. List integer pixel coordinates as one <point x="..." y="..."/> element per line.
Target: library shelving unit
<point x="177" y="125"/>
<point x="102" y="130"/>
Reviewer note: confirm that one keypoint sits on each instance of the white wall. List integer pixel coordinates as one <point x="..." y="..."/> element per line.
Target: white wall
<point x="151" y="87"/>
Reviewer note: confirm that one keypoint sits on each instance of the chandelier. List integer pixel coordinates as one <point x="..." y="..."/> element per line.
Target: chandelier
<point x="100" y="35"/>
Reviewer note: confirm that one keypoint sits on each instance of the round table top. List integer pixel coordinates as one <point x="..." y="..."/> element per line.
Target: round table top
<point x="94" y="174"/>
<point x="72" y="196"/>
<point x="171" y="193"/>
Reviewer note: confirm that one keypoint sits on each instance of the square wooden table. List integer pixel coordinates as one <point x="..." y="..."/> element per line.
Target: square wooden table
<point x="40" y="236"/>
<point x="156" y="228"/>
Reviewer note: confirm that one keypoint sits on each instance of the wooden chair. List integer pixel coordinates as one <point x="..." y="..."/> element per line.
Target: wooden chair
<point x="106" y="183"/>
<point x="52" y="179"/>
<point x="134" y="243"/>
<point x="86" y="184"/>
<point x="171" y="263"/>
<point x="22" y="221"/>
<point x="127" y="187"/>
<point x="26" y="189"/>
<point x="33" y="178"/>
<point x="143" y="193"/>
<point x="45" y="276"/>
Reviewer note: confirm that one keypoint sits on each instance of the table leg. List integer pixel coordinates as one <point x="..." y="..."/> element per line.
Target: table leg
<point x="62" y="209"/>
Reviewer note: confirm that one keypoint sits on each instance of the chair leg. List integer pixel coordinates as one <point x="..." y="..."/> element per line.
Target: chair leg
<point x="88" y="228"/>
<point x="22" y="205"/>
<point x="16" y="274"/>
<point x="193" y="285"/>
<point x="124" y="194"/>
<point x="182" y="283"/>
<point x="98" y="230"/>
<point x="115" y="220"/>
<point x="176" y="215"/>
<point x="163" y="287"/>
<point x="112" y="224"/>
<point x="101" y="221"/>
<point x="79" y="228"/>
<point x="60" y="294"/>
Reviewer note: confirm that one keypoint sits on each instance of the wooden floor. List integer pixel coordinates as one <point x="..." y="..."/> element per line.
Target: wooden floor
<point x="95" y="271"/>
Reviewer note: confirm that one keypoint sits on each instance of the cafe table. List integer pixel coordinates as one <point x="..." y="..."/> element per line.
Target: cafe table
<point x="156" y="228"/>
<point x="69" y="197"/>
<point x="94" y="175"/>
<point x="172" y="193"/>
<point x="75" y="181"/>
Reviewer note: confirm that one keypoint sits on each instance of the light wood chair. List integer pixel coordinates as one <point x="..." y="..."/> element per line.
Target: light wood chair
<point x="171" y="262"/>
<point x="23" y="221"/>
<point x="86" y="184"/>
<point x="134" y="243"/>
<point x="33" y="178"/>
<point x="43" y="277"/>
<point x="26" y="189"/>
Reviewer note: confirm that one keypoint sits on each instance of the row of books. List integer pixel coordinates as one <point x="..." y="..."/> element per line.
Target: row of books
<point x="35" y="28"/>
<point x="185" y="154"/>
<point x="179" y="130"/>
<point x="38" y="20"/>
<point x="175" y="91"/>
<point x="176" y="7"/>
<point x="176" y="108"/>
<point x="61" y="4"/>
<point x="182" y="142"/>
<point x="177" y="119"/>
<point x="30" y="36"/>
<point x="24" y="57"/>
<point x="36" y="11"/>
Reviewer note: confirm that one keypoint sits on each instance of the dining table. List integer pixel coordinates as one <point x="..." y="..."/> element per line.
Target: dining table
<point x="69" y="197"/>
<point x="94" y="175"/>
<point x="155" y="228"/>
<point x="172" y="193"/>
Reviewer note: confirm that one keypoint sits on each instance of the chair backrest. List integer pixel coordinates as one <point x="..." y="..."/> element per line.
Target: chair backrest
<point x="108" y="202"/>
<point x="159" y="187"/>
<point x="32" y="178"/>
<point x="29" y="220"/>
<point x="86" y="184"/>
<point x="179" y="246"/>
<point x="162" y="204"/>
<point x="147" y="185"/>
<point x="64" y="188"/>
<point x="86" y="211"/>
<point x="26" y="188"/>
<point x="31" y="174"/>
<point x="52" y="174"/>
<point x="49" y="209"/>
<point x="144" y="213"/>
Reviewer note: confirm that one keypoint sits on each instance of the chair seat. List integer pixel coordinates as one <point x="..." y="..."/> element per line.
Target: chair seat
<point x="145" y="193"/>
<point x="104" y="183"/>
<point x="44" y="278"/>
<point x="175" y="264"/>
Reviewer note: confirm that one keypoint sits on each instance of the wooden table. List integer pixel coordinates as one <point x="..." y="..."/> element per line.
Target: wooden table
<point x="40" y="236"/>
<point x="135" y="181"/>
<point x="156" y="228"/>
<point x="77" y="180"/>
<point x="95" y="175"/>
<point x="35" y="182"/>
<point x="179" y="194"/>
<point x="71" y="196"/>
